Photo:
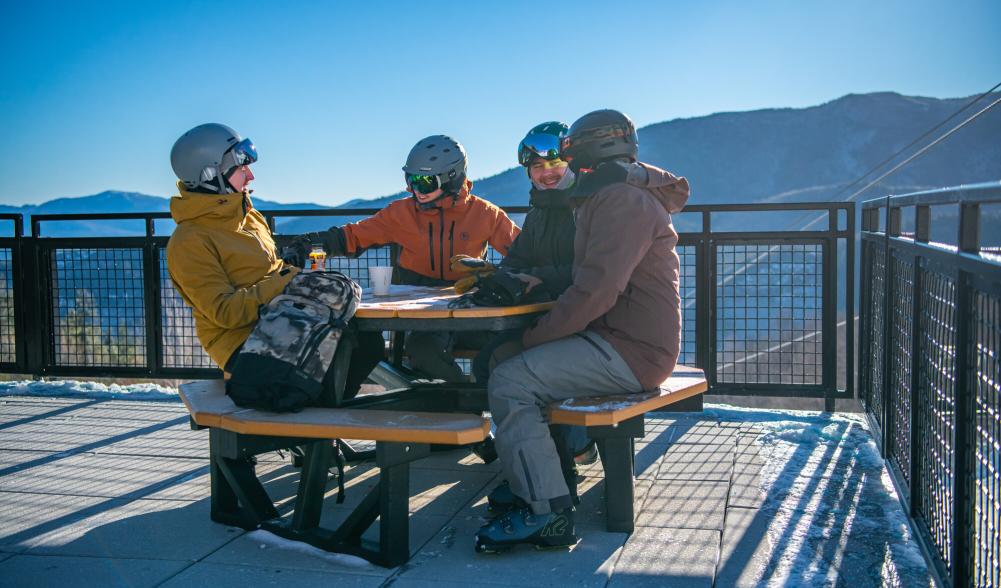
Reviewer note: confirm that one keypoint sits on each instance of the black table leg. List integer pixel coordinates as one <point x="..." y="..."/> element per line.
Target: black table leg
<point x="615" y="446"/>
<point x="312" y="486"/>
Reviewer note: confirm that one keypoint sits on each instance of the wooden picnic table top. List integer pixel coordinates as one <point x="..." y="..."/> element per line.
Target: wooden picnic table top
<point x="431" y="302"/>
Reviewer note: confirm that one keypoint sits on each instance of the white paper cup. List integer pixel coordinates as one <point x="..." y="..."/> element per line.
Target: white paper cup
<point x="379" y="278"/>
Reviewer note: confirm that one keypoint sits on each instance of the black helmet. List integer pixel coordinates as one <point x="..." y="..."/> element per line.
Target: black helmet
<point x="542" y="141"/>
<point x="598" y="136"/>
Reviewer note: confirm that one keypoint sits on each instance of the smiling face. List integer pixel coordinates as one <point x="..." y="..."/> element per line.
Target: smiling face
<point x="547" y="173"/>
<point x="425" y="198"/>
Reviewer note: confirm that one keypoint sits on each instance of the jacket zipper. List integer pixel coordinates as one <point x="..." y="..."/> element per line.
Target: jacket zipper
<point x="441" y="242"/>
<point x="431" y="244"/>
<point x="451" y="240"/>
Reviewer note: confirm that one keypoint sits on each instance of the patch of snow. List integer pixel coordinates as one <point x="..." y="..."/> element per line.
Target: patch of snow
<point x="834" y="517"/>
<point x="95" y="390"/>
<point x="266" y="540"/>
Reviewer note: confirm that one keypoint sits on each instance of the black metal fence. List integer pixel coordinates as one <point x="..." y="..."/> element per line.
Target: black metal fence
<point x="766" y="291"/>
<point x="930" y="373"/>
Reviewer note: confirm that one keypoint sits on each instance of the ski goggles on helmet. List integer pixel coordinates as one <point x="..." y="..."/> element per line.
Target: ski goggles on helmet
<point x="541" y="145"/>
<point x="243" y="153"/>
<point x="423" y="183"/>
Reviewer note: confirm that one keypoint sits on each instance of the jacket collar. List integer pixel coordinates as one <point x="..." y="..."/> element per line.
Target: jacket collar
<point x="224" y="211"/>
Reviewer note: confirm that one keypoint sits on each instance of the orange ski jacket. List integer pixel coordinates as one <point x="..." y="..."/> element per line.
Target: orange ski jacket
<point x="428" y="238"/>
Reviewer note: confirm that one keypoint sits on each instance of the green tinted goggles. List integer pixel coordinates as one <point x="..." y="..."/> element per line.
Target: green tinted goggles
<point x="423" y="183"/>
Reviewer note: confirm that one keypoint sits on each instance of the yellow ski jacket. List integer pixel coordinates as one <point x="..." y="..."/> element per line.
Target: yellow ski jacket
<point x="223" y="262"/>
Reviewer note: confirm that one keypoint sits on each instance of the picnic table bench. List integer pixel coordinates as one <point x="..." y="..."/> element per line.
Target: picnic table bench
<point x="403" y="430"/>
<point x="238" y="498"/>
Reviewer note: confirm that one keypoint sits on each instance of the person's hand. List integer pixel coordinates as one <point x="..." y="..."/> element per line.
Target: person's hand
<point x="296" y="252"/>
<point x="530" y="281"/>
<point x="466" y="264"/>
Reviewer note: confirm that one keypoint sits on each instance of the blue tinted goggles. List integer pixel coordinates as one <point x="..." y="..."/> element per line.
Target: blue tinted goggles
<point x="243" y="153"/>
<point x="542" y="145"/>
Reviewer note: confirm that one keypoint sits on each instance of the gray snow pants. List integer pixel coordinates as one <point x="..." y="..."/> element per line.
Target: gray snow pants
<point x="519" y="390"/>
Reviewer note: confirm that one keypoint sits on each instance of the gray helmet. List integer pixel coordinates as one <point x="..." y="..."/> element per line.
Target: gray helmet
<point x="442" y="159"/>
<point x="599" y="136"/>
<point x="204" y="156"/>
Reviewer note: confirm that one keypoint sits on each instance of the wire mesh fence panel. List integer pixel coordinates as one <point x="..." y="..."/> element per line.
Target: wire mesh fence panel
<point x="493" y="256"/>
<point x="769" y="313"/>
<point x="7" y="341"/>
<point x="899" y="394"/>
<point x="873" y="287"/>
<point x="986" y="442"/>
<point x="181" y="347"/>
<point x="935" y="426"/>
<point x="689" y="301"/>
<point x="98" y="314"/>
<point x="356" y="268"/>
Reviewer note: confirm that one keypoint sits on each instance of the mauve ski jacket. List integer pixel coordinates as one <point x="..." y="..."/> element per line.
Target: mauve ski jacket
<point x="626" y="274"/>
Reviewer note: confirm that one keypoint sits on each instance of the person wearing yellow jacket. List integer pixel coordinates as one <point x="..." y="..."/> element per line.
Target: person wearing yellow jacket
<point x="222" y="257"/>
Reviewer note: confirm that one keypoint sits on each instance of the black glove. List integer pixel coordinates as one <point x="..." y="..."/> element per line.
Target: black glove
<point x="296" y="252"/>
<point x="503" y="289"/>
<point x="298" y="249"/>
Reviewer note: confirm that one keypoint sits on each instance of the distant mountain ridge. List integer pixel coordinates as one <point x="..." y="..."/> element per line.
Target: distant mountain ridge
<point x="776" y="155"/>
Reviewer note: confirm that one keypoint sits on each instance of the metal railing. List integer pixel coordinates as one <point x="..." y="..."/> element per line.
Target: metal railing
<point x="761" y="307"/>
<point x="930" y="373"/>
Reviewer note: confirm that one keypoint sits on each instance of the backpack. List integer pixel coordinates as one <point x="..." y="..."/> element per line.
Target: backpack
<point x="282" y="365"/>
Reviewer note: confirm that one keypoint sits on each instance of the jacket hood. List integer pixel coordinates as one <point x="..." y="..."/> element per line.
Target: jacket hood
<point x="671" y="191"/>
<point x="550" y="198"/>
<point x="219" y="210"/>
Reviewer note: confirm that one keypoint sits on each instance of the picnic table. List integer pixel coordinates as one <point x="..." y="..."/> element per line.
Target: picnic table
<point x="404" y="423"/>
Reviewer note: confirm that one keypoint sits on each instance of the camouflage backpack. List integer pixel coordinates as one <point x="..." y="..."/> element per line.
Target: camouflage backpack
<point x="282" y="365"/>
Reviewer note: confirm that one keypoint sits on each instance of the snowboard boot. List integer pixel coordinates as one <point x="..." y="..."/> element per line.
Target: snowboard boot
<point x="554" y="530"/>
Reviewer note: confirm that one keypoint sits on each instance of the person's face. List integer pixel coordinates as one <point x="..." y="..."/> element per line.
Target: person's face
<point x="240" y="177"/>
<point x="425" y="198"/>
<point x="547" y="174"/>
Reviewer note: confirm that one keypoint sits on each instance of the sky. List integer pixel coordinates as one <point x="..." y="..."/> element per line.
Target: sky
<point x="334" y="94"/>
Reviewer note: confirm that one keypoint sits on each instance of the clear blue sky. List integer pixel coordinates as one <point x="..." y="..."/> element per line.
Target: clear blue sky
<point x="94" y="94"/>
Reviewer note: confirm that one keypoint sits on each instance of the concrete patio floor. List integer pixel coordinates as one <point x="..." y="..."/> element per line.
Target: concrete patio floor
<point x="116" y="493"/>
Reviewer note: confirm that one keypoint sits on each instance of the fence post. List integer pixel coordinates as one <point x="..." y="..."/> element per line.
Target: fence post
<point x="151" y="300"/>
<point x="850" y="363"/>
<point x="829" y="322"/>
<point x="892" y="230"/>
<point x="37" y="331"/>
<point x="969" y="242"/>
<point x="19" y="300"/>
<point x="705" y="306"/>
<point x="922" y="232"/>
